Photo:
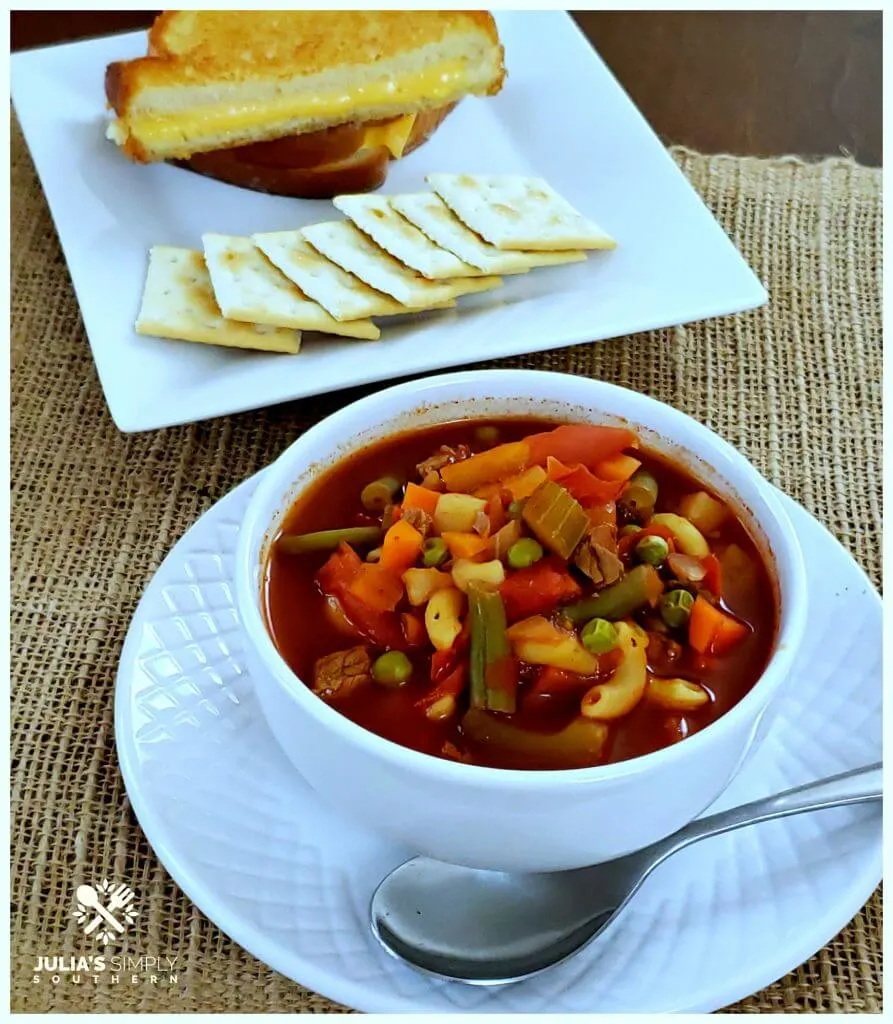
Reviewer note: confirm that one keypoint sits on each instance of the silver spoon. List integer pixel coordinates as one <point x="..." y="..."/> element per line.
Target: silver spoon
<point x="493" y="928"/>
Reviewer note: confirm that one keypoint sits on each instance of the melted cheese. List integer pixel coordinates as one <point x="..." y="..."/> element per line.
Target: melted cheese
<point x="438" y="83"/>
<point x="394" y="135"/>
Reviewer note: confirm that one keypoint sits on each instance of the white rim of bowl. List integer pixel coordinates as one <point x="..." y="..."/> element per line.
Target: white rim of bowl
<point x="792" y="606"/>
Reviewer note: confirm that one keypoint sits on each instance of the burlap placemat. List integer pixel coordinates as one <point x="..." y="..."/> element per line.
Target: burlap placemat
<point x="796" y="386"/>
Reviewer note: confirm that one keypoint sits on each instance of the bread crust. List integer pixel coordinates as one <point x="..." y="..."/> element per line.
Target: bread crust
<point x="363" y="171"/>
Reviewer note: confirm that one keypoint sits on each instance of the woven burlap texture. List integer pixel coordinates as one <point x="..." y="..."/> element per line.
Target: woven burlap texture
<point x="796" y="386"/>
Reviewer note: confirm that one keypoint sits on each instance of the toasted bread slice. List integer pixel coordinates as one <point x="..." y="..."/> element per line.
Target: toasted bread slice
<point x="218" y="79"/>
<point x="178" y="303"/>
<point x="374" y="216"/>
<point x="430" y="214"/>
<point x="364" y="169"/>
<point x="249" y="288"/>
<point x="343" y="243"/>
<point x="514" y="212"/>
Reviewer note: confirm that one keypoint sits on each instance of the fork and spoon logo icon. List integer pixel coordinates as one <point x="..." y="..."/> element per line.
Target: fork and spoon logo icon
<point x="105" y="901"/>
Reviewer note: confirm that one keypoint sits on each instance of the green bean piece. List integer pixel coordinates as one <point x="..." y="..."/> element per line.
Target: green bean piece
<point x="644" y="480"/>
<point x="578" y="745"/>
<point x="375" y="497"/>
<point x="524" y="552"/>
<point x="487" y="435"/>
<point x="652" y="550"/>
<point x="434" y="552"/>
<point x="599" y="636"/>
<point x="492" y="676"/>
<point x="515" y="509"/>
<point x="392" y="669"/>
<point x="640" y="586"/>
<point x="327" y="540"/>
<point x="640" y="495"/>
<point x="675" y="608"/>
<point x="629" y="529"/>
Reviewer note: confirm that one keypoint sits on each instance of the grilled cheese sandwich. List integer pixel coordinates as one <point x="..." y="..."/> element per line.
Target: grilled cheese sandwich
<point x="222" y="80"/>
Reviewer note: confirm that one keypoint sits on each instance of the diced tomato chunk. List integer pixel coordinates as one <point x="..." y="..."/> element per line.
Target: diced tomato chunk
<point x="337" y="579"/>
<point x="713" y="579"/>
<point x="538" y="589"/>
<point x="587" y="488"/>
<point x="340" y="570"/>
<point x="451" y="685"/>
<point x="584" y="443"/>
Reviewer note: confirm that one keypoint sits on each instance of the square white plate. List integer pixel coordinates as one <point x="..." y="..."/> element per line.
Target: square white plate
<point x="561" y="115"/>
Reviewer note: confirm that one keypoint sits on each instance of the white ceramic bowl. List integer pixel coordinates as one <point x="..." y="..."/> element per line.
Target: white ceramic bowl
<point x="493" y="818"/>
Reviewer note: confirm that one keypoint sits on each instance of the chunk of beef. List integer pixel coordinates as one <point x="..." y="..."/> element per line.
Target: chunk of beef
<point x="420" y="519"/>
<point x="444" y="456"/>
<point x="338" y="674"/>
<point x="596" y="556"/>
<point x="605" y="536"/>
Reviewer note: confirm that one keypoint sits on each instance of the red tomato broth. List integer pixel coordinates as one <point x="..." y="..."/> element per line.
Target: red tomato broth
<point x="302" y="632"/>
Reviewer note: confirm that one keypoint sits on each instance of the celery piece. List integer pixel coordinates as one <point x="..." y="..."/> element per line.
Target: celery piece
<point x="556" y="518"/>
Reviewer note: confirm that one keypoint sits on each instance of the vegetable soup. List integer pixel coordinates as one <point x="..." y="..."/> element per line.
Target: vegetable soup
<point x="520" y="594"/>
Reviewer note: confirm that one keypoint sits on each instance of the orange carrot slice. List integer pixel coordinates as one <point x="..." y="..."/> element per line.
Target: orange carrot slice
<point x="464" y="545"/>
<point x="420" y="497"/>
<point x="712" y="631"/>
<point x="496" y="464"/>
<point x="618" y="467"/>
<point x="400" y="548"/>
<point x="376" y="588"/>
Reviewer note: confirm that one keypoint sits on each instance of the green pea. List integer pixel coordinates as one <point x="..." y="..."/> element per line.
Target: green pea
<point x="524" y="552"/>
<point x="675" y="608"/>
<point x="392" y="669"/>
<point x="599" y="636"/>
<point x="515" y="509"/>
<point x="629" y="529"/>
<point x="380" y="493"/>
<point x="652" y="550"/>
<point x="434" y="552"/>
<point x="487" y="435"/>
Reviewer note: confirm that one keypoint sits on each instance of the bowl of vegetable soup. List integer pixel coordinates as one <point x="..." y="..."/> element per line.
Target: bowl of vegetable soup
<point x="517" y="620"/>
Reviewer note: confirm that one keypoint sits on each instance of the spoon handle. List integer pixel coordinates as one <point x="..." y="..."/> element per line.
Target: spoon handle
<point x="860" y="785"/>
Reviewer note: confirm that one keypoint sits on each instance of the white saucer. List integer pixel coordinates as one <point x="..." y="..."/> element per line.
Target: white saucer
<point x="289" y="880"/>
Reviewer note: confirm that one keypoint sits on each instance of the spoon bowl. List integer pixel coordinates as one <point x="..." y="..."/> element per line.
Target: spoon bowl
<point x="495" y="927"/>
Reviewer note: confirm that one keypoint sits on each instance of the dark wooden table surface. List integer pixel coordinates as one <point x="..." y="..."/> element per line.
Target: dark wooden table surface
<point x="761" y="83"/>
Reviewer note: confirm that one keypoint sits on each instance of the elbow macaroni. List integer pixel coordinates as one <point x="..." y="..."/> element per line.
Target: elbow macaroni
<point x="687" y="536"/>
<point x="676" y="694"/>
<point x="620" y="694"/>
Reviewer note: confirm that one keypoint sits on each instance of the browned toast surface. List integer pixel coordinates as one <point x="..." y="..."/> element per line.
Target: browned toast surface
<point x="201" y="47"/>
